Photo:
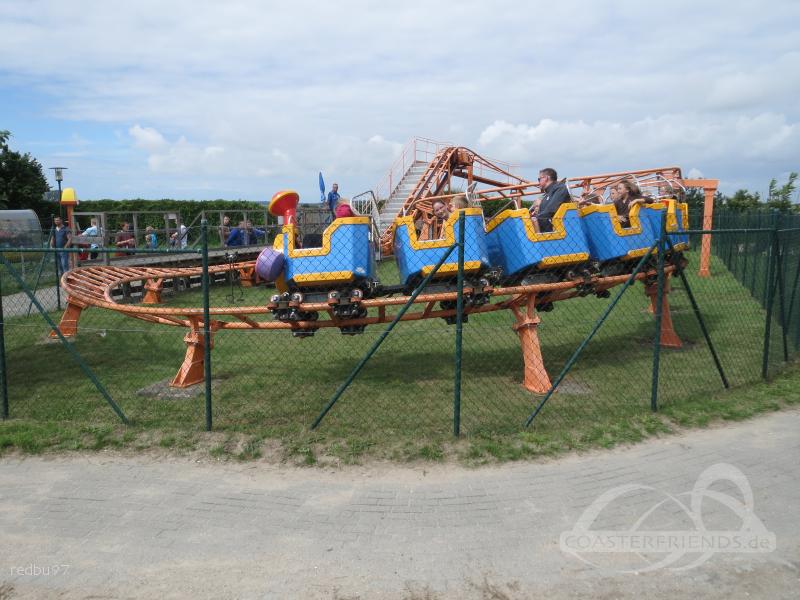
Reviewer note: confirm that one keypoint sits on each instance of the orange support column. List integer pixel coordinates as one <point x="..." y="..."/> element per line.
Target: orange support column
<point x="192" y="370"/>
<point x="69" y="320"/>
<point x="669" y="339"/>
<point x="246" y="276"/>
<point x="709" y="189"/>
<point x="535" y="378"/>
<point x="152" y="291"/>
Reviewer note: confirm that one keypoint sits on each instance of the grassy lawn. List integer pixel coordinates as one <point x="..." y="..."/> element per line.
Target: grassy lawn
<point x="268" y="386"/>
<point x="30" y="266"/>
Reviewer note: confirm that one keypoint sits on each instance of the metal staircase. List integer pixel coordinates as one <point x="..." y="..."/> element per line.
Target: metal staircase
<point x="422" y="173"/>
<point x="394" y="204"/>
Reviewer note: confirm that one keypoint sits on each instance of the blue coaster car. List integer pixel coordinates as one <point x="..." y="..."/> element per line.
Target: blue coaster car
<point x="609" y="240"/>
<point x="415" y="258"/>
<point x="677" y="221"/>
<point x="516" y="246"/>
<point x="346" y="256"/>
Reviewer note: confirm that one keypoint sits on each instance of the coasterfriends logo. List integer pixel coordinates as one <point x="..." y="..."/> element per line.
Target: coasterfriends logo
<point x="651" y="529"/>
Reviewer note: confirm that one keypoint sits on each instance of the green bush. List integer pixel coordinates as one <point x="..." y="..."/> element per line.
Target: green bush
<point x="189" y="210"/>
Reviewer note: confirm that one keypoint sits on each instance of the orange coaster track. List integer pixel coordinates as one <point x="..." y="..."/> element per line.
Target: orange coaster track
<point x="94" y="286"/>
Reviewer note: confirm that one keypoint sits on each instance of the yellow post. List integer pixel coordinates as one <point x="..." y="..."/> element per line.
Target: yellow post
<point x="69" y="199"/>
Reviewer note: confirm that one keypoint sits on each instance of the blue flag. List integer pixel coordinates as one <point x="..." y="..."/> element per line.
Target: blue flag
<point x="321" y="188"/>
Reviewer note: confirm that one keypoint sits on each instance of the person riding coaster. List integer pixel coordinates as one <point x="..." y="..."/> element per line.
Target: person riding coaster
<point x="341" y="273"/>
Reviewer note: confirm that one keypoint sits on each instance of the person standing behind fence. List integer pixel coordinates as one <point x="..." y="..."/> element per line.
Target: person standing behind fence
<point x="62" y="238"/>
<point x="253" y="234"/>
<point x="180" y="238"/>
<point x="93" y="231"/>
<point x="125" y="238"/>
<point x="224" y="230"/>
<point x="150" y="238"/>
<point x="333" y="198"/>
<point x="237" y="236"/>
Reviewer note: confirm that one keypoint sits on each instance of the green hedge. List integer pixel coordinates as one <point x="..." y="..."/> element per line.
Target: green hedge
<point x="188" y="209"/>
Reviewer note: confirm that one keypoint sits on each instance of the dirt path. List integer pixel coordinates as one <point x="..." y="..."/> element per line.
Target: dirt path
<point x="114" y="527"/>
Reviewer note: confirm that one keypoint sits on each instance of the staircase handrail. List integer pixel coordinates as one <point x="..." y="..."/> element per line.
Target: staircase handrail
<point x="423" y="188"/>
<point x="366" y="203"/>
<point x="417" y="149"/>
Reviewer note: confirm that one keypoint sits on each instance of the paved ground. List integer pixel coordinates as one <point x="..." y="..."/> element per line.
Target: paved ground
<point x="115" y="527"/>
<point x="15" y="305"/>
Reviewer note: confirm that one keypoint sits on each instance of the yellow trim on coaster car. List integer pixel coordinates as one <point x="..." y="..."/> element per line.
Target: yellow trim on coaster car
<point x="673" y="206"/>
<point x="324" y="277"/>
<point x="639" y="253"/>
<point x="449" y="237"/>
<point x="564" y="259"/>
<point x="672" y="222"/>
<point x="326" y="237"/>
<point x="469" y="265"/>
<point x="635" y="227"/>
<point x="559" y="229"/>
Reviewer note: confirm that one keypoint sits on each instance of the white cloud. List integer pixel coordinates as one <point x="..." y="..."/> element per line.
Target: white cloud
<point x="178" y="157"/>
<point x="147" y="138"/>
<point x="703" y="141"/>
<point x="744" y="89"/>
<point x="254" y="96"/>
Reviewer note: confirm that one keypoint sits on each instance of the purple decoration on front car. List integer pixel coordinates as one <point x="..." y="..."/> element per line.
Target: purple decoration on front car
<point x="269" y="264"/>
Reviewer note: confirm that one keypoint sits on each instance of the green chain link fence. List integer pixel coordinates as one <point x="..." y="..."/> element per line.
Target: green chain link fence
<point x="412" y="383"/>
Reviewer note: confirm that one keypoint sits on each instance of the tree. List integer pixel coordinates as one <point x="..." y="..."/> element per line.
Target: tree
<point x="694" y="198"/>
<point x="22" y="180"/>
<point x="780" y="198"/>
<point x="744" y="200"/>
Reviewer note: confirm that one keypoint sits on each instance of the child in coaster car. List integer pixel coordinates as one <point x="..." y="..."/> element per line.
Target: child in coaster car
<point x="625" y="194"/>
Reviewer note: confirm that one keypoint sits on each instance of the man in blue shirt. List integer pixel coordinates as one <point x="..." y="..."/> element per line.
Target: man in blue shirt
<point x="333" y="198"/>
<point x="244" y="234"/>
<point x="62" y="238"/>
<point x="93" y="231"/>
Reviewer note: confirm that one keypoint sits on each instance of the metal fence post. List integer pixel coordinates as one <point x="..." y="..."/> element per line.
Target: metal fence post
<point x="206" y="323"/>
<point x="382" y="337"/>
<point x="696" y="308"/>
<point x="662" y="235"/>
<point x="790" y="315"/>
<point x="574" y="358"/>
<point x="3" y="371"/>
<point x="459" y="328"/>
<point x="69" y="347"/>
<point x="770" y="296"/>
<point x="52" y="240"/>
<point x="781" y="290"/>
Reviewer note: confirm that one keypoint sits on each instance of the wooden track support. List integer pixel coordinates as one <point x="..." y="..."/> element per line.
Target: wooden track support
<point x="535" y="377"/>
<point x="152" y="291"/>
<point x="69" y="320"/>
<point x="192" y="370"/>
<point x="669" y="339"/>
<point x="248" y="276"/>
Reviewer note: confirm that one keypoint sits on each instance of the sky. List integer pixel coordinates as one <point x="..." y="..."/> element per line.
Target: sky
<point x="240" y="99"/>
